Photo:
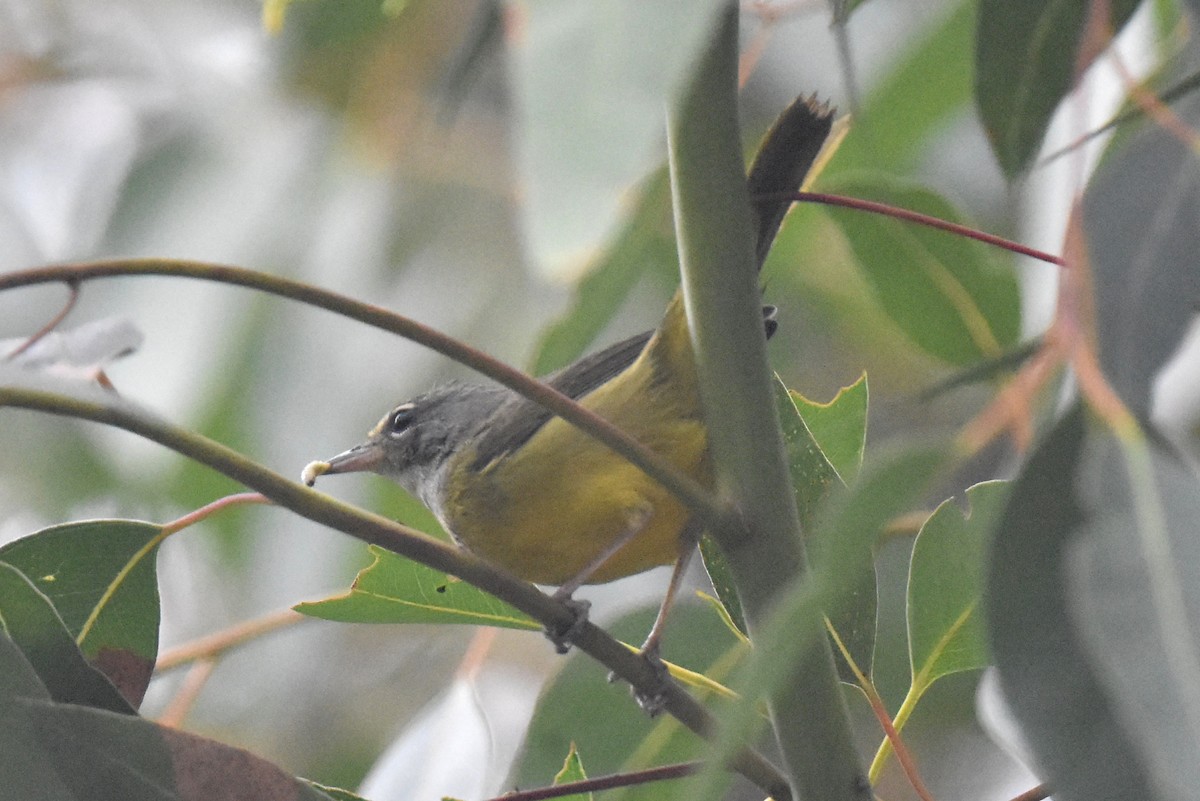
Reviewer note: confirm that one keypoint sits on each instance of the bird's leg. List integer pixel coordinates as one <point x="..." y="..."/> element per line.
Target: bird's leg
<point x="562" y="637"/>
<point x="634" y="526"/>
<point x="689" y="537"/>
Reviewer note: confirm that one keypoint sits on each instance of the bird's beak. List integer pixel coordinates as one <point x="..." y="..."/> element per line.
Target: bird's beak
<point x="361" y="458"/>
<point x="365" y="457"/>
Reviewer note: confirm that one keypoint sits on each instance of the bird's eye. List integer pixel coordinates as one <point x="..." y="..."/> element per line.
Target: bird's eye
<point x="400" y="419"/>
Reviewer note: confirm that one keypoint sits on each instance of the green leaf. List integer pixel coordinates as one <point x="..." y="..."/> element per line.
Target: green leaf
<point x="950" y="295"/>
<point x="1133" y="583"/>
<point x="1139" y="214"/>
<point x="842" y="423"/>
<point x="136" y="760"/>
<point x="25" y="770"/>
<point x="572" y="771"/>
<point x="900" y="116"/>
<point x="897" y="131"/>
<point x="945" y="587"/>
<point x="29" y="620"/>
<point x="1025" y="62"/>
<point x="839" y="427"/>
<point x="723" y="613"/>
<point x="18" y="679"/>
<point x="101" y="577"/>
<point x="393" y="589"/>
<point x="591" y="81"/>
<point x="842" y="540"/>
<point x="814" y="478"/>
<point x="721" y="576"/>
<point x="1049" y="678"/>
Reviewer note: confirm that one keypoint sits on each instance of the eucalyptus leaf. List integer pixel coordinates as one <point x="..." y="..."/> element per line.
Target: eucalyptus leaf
<point x="1049" y="678"/>
<point x="1141" y="215"/>
<point x="29" y="620"/>
<point x="393" y="589"/>
<point x="813" y="476"/>
<point x="814" y="479"/>
<point x="900" y="115"/>
<point x="572" y="771"/>
<point x="25" y="770"/>
<point x="839" y="427"/>
<point x="840" y="547"/>
<point x="720" y="574"/>
<point x="101" y="577"/>
<point x="945" y="593"/>
<point x="896" y="132"/>
<point x="842" y="423"/>
<point x="945" y="586"/>
<point x="1027" y="52"/>
<point x="1133" y="578"/>
<point x="136" y="760"/>
<point x="950" y="295"/>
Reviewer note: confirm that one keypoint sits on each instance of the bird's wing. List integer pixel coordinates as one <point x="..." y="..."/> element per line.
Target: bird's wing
<point x="518" y="418"/>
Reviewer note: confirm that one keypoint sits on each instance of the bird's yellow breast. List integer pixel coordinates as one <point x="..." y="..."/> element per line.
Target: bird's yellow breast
<point x="547" y="509"/>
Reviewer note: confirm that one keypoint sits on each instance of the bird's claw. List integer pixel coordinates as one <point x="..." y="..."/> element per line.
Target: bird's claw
<point x="652" y="701"/>
<point x="563" y="636"/>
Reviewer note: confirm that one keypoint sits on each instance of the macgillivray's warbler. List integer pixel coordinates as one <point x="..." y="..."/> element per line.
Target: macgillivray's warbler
<point x="528" y="491"/>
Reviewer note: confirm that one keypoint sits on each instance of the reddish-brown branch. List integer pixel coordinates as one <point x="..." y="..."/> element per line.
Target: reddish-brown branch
<point x="54" y="322"/>
<point x="191" y="518"/>
<point x="1039" y="793"/>
<point x="917" y="217"/>
<point x="177" y="710"/>
<point x="610" y="782"/>
<point x="213" y="645"/>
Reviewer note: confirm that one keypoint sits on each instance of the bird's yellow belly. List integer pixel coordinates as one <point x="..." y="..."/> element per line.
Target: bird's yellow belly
<point x="575" y="501"/>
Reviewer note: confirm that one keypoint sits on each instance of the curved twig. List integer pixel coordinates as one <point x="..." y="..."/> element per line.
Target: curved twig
<point x="654" y="465"/>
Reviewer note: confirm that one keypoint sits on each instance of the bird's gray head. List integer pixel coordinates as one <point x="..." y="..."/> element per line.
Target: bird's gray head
<point x="414" y="441"/>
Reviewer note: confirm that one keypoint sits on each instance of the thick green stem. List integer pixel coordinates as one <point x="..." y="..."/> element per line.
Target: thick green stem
<point x="716" y="242"/>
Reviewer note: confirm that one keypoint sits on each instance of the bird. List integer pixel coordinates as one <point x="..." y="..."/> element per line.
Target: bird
<point x="533" y="494"/>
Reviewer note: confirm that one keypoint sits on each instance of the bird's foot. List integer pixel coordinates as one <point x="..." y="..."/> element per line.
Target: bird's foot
<point x="563" y="636"/>
<point x="653" y="699"/>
